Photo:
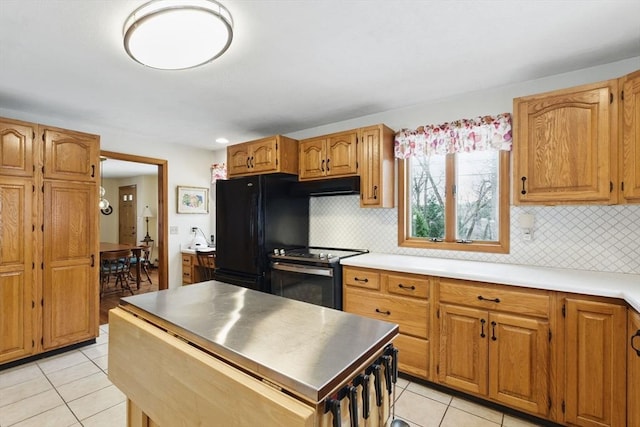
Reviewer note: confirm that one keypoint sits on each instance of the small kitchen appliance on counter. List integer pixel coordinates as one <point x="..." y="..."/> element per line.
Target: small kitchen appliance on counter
<point x="312" y="274"/>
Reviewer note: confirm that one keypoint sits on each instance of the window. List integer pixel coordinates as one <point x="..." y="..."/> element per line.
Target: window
<point x="456" y="200"/>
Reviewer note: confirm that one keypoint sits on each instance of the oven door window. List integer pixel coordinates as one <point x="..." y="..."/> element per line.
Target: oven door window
<point x="310" y="284"/>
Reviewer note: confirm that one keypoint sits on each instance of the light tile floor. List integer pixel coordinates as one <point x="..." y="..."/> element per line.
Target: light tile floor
<point x="72" y="389"/>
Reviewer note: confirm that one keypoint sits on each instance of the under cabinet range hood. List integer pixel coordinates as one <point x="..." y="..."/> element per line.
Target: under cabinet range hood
<point x="328" y="187"/>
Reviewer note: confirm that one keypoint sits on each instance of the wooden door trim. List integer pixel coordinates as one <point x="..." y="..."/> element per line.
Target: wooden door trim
<point x="163" y="213"/>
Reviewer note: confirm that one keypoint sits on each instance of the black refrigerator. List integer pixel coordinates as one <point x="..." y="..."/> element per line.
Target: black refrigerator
<point x="255" y="215"/>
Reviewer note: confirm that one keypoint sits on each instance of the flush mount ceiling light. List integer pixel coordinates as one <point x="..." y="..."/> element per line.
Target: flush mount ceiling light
<point x="178" y="34"/>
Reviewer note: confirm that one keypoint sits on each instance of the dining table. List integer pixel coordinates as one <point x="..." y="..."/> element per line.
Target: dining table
<point x="135" y="250"/>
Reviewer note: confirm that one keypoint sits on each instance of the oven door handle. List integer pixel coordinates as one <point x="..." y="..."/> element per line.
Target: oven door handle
<point x="295" y="268"/>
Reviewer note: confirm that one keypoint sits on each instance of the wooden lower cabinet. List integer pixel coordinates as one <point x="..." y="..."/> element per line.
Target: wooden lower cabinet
<point x="572" y="359"/>
<point x="595" y="362"/>
<point x="397" y="298"/>
<point x="191" y="268"/>
<point x="504" y="357"/>
<point x="633" y="369"/>
<point x="464" y="351"/>
<point x="494" y="343"/>
<point x="519" y="362"/>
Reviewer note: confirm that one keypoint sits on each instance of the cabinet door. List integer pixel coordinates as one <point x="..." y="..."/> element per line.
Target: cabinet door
<point x="313" y="158"/>
<point x="413" y="355"/>
<point x="464" y="350"/>
<point x="371" y="171"/>
<point x="377" y="167"/>
<point x="631" y="139"/>
<point x="16" y="269"/>
<point x="238" y="159"/>
<point x="71" y="155"/>
<point x="633" y="370"/>
<point x="596" y="363"/>
<point x="264" y="155"/>
<point x="342" y="154"/>
<point x="563" y="146"/>
<point x="16" y="148"/>
<point x="71" y="259"/>
<point x="519" y="362"/>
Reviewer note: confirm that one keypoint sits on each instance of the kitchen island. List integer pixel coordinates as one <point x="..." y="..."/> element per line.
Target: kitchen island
<point x="218" y="354"/>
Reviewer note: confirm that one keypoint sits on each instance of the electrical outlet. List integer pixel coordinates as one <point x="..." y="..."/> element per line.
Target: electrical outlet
<point x="173" y="229"/>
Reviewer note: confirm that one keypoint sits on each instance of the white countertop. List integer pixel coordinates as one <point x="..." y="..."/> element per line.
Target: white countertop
<point x="188" y="250"/>
<point x="614" y="285"/>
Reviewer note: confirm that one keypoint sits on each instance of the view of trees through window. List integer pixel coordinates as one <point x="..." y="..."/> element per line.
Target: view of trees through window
<point x="474" y="208"/>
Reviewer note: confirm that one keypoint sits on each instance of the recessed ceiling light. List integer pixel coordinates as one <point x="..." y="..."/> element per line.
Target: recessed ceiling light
<point x="178" y="34"/>
<point x="222" y="140"/>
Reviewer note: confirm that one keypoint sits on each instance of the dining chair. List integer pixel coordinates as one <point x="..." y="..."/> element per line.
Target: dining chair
<point x="206" y="264"/>
<point x="144" y="262"/>
<point x="115" y="264"/>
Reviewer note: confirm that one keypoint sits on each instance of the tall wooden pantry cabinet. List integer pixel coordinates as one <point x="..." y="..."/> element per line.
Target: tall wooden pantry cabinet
<point x="49" y="247"/>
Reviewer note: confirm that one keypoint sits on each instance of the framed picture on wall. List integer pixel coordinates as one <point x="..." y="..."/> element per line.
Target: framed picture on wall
<point x="194" y="200"/>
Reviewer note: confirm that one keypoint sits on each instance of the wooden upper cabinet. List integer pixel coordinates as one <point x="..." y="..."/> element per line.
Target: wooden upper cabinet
<point x="16" y="148"/>
<point x="71" y="263"/>
<point x="633" y="369"/>
<point x="342" y="154"/>
<point x="267" y="155"/>
<point x="329" y="156"/>
<point x="313" y="158"/>
<point x="70" y="155"/>
<point x="565" y="146"/>
<point x="377" y="167"/>
<point x="630" y="152"/>
<point x="595" y="363"/>
<point x="16" y="270"/>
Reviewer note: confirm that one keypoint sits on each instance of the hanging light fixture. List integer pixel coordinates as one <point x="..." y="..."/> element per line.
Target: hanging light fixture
<point x="178" y="34"/>
<point x="103" y="204"/>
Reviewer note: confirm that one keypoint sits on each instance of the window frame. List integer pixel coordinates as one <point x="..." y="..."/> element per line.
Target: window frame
<point x="404" y="225"/>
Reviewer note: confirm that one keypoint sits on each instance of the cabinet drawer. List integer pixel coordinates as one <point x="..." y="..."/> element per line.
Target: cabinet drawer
<point x="409" y="313"/>
<point x="531" y="302"/>
<point x="407" y="285"/>
<point x="361" y="277"/>
<point x="186" y="260"/>
<point x="413" y="355"/>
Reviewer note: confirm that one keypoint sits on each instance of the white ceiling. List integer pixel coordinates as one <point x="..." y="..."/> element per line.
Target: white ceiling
<point x="294" y="65"/>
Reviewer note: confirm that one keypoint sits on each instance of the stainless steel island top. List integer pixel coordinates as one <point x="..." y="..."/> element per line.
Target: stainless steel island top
<point x="304" y="348"/>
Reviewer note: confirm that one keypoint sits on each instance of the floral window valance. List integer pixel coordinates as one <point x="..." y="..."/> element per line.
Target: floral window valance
<point x="480" y="133"/>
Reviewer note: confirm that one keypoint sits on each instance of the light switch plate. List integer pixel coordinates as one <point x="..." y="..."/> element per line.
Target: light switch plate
<point x="173" y="229"/>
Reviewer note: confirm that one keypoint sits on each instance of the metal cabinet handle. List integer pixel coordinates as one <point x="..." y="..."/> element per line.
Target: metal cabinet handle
<point x="248" y="164"/>
<point x="328" y="169"/>
<point x="482" y="322"/>
<point x="93" y="171"/>
<point x="633" y="337"/>
<point x="401" y="286"/>
<point x="387" y="313"/>
<point x="93" y="260"/>
<point x="253" y="164"/>
<point x="524" y="179"/>
<point x="365" y="280"/>
<point x="322" y="166"/>
<point x="375" y="192"/>
<point x="493" y="331"/>
<point x="481" y="298"/>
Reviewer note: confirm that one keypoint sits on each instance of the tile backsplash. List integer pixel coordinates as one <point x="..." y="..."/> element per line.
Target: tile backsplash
<point x="599" y="238"/>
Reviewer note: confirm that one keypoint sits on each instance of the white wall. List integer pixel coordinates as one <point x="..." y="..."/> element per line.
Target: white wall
<point x="604" y="238"/>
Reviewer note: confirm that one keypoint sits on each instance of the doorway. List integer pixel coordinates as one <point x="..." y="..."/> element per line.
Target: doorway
<point x="162" y="215"/>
